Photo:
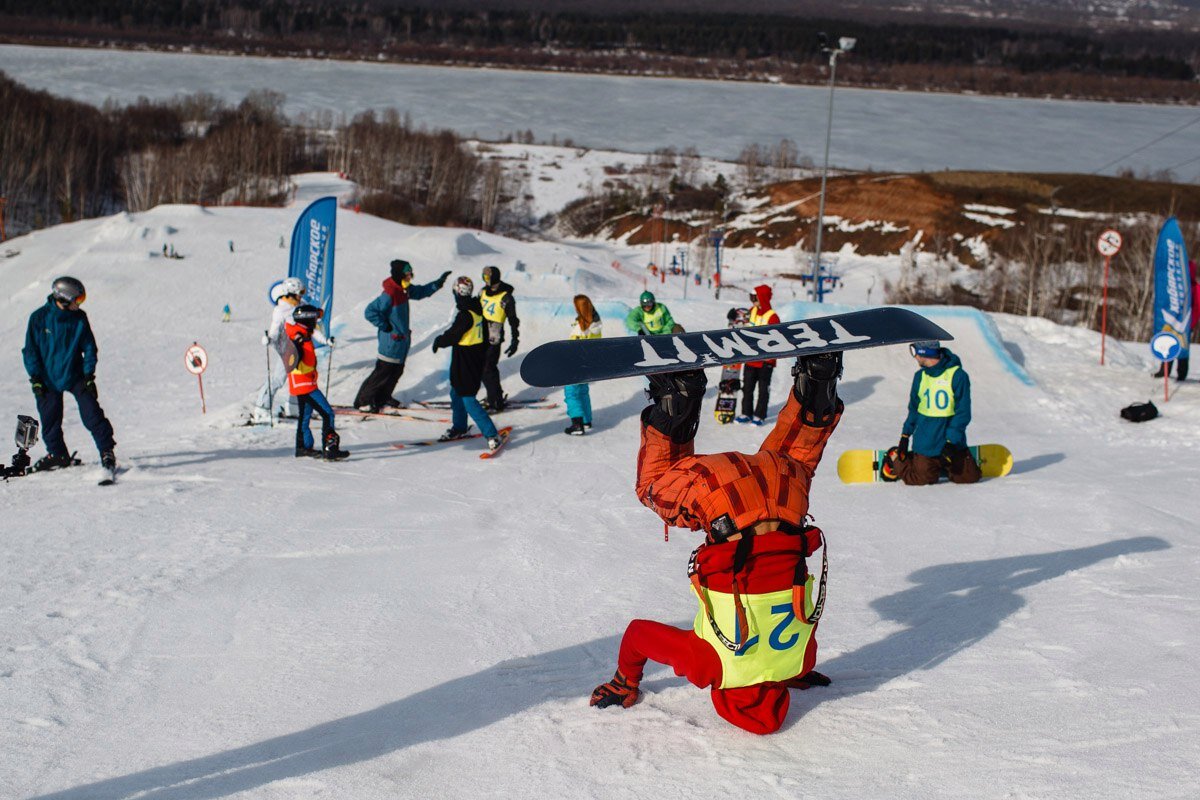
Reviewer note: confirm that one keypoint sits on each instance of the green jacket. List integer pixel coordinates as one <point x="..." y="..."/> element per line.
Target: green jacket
<point x="657" y="321"/>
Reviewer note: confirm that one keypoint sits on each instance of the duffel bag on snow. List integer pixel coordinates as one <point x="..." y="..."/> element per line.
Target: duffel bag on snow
<point x="1139" y="412"/>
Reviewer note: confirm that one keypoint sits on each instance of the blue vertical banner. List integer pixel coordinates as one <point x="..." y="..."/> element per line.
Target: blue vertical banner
<point x="311" y="258"/>
<point x="1172" y="295"/>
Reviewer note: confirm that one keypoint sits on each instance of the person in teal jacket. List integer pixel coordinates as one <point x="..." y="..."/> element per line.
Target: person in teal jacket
<point x="389" y="313"/>
<point x="60" y="356"/>
<point x="939" y="410"/>
<point x="649" y="318"/>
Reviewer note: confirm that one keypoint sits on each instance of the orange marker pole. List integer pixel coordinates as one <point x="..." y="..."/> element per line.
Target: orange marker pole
<point x="1104" y="311"/>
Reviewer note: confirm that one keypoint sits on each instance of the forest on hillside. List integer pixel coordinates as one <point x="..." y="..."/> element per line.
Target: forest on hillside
<point x="890" y="52"/>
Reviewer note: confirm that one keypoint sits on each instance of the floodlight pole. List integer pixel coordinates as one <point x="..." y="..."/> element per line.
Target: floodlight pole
<point x="844" y="45"/>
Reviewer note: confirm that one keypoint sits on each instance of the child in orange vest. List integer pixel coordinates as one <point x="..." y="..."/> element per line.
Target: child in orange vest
<point x="302" y="384"/>
<point x="754" y="634"/>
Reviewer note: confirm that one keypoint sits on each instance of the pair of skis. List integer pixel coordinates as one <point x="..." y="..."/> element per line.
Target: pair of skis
<point x="503" y="433"/>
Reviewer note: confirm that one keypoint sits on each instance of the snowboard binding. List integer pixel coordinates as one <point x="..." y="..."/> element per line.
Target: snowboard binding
<point x="26" y="437"/>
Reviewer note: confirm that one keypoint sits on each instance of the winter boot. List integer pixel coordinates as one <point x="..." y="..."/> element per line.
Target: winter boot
<point x="332" y="450"/>
<point x="815" y="387"/>
<point x="454" y="433"/>
<point x="308" y="452"/>
<point x="51" y="461"/>
<point x="108" y="460"/>
<point x="619" y="691"/>
<point x="576" y="428"/>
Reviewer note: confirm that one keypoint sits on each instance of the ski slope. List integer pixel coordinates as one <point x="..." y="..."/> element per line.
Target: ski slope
<point x="230" y="622"/>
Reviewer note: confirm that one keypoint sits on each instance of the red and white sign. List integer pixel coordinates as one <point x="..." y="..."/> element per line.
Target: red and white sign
<point x="1109" y="243"/>
<point x="195" y="359"/>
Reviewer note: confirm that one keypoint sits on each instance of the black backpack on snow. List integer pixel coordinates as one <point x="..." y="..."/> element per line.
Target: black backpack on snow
<point x="1139" y="412"/>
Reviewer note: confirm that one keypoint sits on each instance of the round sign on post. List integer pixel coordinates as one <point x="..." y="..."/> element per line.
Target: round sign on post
<point x="1109" y="243"/>
<point x="196" y="361"/>
<point x="1166" y="346"/>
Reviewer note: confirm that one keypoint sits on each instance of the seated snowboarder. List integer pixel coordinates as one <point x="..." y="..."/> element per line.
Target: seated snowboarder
<point x="753" y="636"/>
<point x="939" y="410"/>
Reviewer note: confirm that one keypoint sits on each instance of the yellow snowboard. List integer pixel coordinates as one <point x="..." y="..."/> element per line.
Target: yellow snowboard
<point x="862" y="466"/>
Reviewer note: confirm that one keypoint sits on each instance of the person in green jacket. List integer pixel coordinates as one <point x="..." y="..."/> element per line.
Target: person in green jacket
<point x="649" y="318"/>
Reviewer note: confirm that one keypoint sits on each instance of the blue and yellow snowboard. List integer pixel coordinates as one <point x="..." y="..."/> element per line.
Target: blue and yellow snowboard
<point x="862" y="466"/>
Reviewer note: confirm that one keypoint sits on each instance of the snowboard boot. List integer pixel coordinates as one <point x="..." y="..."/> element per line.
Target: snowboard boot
<point x="807" y="680"/>
<point x="454" y="433"/>
<point x="816" y="379"/>
<point x="333" y="451"/>
<point x="494" y="443"/>
<point x="619" y="691"/>
<point x="576" y="428"/>
<point x="677" y="397"/>
<point x="108" y="460"/>
<point x="51" y="461"/>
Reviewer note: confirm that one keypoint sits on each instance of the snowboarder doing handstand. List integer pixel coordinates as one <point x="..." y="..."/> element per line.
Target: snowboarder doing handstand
<point x="468" y="341"/>
<point x="60" y="356"/>
<point x="753" y="636"/>
<point x="496" y="299"/>
<point x="939" y="410"/>
<point x="303" y="382"/>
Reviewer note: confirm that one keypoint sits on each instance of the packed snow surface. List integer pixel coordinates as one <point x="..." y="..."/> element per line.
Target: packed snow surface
<point x="229" y="621"/>
<point x="890" y="130"/>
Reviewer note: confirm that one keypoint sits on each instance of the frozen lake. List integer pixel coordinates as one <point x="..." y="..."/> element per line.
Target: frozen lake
<point x="880" y="129"/>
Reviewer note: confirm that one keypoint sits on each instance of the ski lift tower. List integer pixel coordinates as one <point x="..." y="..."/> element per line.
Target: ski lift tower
<point x="845" y="45"/>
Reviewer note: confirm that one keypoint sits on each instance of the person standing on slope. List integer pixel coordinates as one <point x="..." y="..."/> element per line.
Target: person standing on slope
<point x="60" y="355"/>
<point x="579" y="401"/>
<point x="754" y="634"/>
<point x="649" y="318"/>
<point x="468" y="341"/>
<point x="303" y="385"/>
<point x="756" y="375"/>
<point x="939" y="410"/>
<point x="389" y="314"/>
<point x="286" y="295"/>
<point x="496" y="298"/>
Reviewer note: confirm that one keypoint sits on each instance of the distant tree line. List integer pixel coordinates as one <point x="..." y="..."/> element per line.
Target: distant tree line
<point x="1127" y="63"/>
<point x="64" y="160"/>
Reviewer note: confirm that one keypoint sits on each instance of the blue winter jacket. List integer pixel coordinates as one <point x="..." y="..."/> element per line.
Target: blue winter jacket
<point x="931" y="434"/>
<point x="59" y="347"/>
<point x="389" y="313"/>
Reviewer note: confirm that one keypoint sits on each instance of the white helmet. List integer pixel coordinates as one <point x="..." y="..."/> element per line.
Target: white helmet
<point x="293" y="286"/>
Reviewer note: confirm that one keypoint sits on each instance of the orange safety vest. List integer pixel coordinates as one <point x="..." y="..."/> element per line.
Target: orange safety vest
<point x="302" y="379"/>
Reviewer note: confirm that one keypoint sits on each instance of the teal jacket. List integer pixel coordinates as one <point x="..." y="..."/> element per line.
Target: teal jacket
<point x="59" y="347"/>
<point x="930" y="435"/>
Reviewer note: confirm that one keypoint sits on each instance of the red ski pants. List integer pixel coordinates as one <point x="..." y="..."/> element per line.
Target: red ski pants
<point x="760" y="708"/>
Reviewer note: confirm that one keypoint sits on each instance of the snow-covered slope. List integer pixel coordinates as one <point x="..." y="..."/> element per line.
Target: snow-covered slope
<point x="231" y="622"/>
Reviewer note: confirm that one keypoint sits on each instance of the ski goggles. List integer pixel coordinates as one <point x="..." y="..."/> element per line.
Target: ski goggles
<point x="925" y="349"/>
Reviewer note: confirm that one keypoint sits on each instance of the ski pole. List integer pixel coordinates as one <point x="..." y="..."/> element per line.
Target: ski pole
<point x="270" y="394"/>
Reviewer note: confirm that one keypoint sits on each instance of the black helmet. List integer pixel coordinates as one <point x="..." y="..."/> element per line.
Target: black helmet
<point x="68" y="290"/>
<point x="491" y="275"/>
<point x="307" y="316"/>
<point x="401" y="269"/>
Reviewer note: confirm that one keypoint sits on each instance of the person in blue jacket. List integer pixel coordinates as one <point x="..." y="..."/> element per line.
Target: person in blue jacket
<point x="939" y="410"/>
<point x="60" y="356"/>
<point x="389" y="313"/>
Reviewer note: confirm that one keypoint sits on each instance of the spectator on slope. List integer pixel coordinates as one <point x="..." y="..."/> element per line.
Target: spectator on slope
<point x="60" y="356"/>
<point x="303" y="385"/>
<point x="286" y="295"/>
<point x="939" y="410"/>
<point x="468" y="341"/>
<point x="649" y="318"/>
<point x="756" y="375"/>
<point x="389" y="313"/>
<point x="496" y="298"/>
<point x="754" y="632"/>
<point x="1181" y="371"/>
<point x="579" y="401"/>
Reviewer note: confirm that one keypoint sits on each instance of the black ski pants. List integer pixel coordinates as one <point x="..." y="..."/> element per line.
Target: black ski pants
<point x="377" y="389"/>
<point x="756" y="378"/>
<point x="491" y="375"/>
<point x="50" y="409"/>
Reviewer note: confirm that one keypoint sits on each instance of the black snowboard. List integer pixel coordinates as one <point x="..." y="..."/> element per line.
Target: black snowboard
<point x="566" y="362"/>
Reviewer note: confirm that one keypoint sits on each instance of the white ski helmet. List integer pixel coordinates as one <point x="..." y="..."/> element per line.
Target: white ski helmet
<point x="293" y="286"/>
<point x="464" y="286"/>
